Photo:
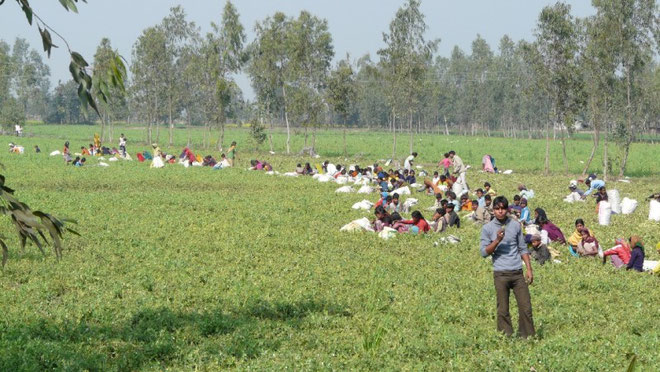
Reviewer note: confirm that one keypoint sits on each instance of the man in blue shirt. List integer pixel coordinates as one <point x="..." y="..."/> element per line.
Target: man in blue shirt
<point x="594" y="185"/>
<point x="502" y="239"/>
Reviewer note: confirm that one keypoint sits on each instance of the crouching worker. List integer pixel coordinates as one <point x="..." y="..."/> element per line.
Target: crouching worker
<point x="502" y="239"/>
<point x="418" y="224"/>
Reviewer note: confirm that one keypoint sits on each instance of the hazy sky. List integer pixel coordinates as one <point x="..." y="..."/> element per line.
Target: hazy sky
<point x="356" y="25"/>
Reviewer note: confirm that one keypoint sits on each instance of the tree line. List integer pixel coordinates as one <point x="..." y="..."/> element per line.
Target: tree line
<point x="598" y="72"/>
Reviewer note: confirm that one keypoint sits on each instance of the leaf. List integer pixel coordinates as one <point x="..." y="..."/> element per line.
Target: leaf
<point x="46" y="40"/>
<point x="27" y="10"/>
<point x="74" y="72"/>
<point x="631" y="366"/>
<point x="5" y="252"/>
<point x="78" y="59"/>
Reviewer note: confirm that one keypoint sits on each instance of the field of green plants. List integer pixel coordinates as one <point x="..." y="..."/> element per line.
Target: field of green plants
<point x="182" y="269"/>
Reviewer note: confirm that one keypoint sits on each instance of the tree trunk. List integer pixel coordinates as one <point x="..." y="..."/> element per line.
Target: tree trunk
<point x="446" y="125"/>
<point x="188" y="129"/>
<point x="286" y="119"/>
<point x="221" y="139"/>
<point x="270" y="135"/>
<point x="606" y="164"/>
<point x="314" y="139"/>
<point x="629" y="134"/>
<point x="171" y="139"/>
<point x="410" y="129"/>
<point x="563" y="148"/>
<point x="345" y="152"/>
<point x="305" y="143"/>
<point x="547" y="150"/>
<point x="594" y="120"/>
<point x="393" y="134"/>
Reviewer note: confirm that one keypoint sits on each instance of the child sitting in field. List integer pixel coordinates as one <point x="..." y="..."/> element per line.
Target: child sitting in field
<point x="439" y="224"/>
<point x="417" y="221"/>
<point x="394" y="205"/>
<point x="488" y="190"/>
<point x="588" y="246"/>
<point x="524" y="193"/>
<point x="451" y="217"/>
<point x="451" y="198"/>
<point x="485" y="214"/>
<point x="636" y="261"/>
<point x="525" y="216"/>
<point x="576" y="236"/>
<point x="466" y="203"/>
<point x="480" y="197"/>
<point x="620" y="253"/>
<point x="539" y="251"/>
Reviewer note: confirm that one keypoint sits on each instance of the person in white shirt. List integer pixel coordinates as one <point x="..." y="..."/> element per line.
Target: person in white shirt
<point x="459" y="169"/>
<point x="408" y="163"/>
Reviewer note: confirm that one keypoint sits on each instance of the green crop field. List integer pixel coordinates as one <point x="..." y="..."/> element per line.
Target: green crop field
<point x="189" y="268"/>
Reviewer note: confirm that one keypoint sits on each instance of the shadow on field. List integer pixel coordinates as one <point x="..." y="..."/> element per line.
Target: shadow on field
<point x="154" y="336"/>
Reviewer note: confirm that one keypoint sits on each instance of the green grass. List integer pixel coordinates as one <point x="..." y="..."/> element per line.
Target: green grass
<point x="186" y="269"/>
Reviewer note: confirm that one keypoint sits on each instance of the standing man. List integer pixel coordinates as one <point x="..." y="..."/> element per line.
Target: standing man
<point x="502" y="239"/>
<point x="232" y="153"/>
<point x="459" y="168"/>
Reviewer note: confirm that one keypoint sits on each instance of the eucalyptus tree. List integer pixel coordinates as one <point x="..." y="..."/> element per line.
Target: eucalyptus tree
<point x="102" y="70"/>
<point x="178" y="33"/>
<point x="5" y="70"/>
<point x="630" y="28"/>
<point x="309" y="46"/>
<point x="557" y="46"/>
<point x="342" y="93"/>
<point x="371" y="102"/>
<point x="30" y="78"/>
<point x="148" y="83"/>
<point x="478" y="85"/>
<point x="226" y="56"/>
<point x="266" y="68"/>
<point x="404" y="59"/>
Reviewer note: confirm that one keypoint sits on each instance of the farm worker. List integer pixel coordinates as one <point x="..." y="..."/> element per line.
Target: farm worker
<point x="459" y="168"/>
<point x="637" y="257"/>
<point x="122" y="145"/>
<point x="408" y="163"/>
<point x="502" y="239"/>
<point x="418" y="221"/>
<point x="554" y="233"/>
<point x="445" y="163"/>
<point x="620" y="253"/>
<point x="232" y="153"/>
<point x="576" y="237"/>
<point x="593" y="186"/>
<point x="66" y="153"/>
<point x="97" y="141"/>
<point x="540" y="251"/>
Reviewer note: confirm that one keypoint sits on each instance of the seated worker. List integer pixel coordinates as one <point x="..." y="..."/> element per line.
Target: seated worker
<point x="620" y="253"/>
<point x="417" y="221"/>
<point x="576" y="236"/>
<point x="525" y="216"/>
<point x="84" y="151"/>
<point x="488" y="190"/>
<point x="299" y="169"/>
<point x="466" y="203"/>
<point x="451" y="217"/>
<point x="438" y="223"/>
<point x="588" y="246"/>
<point x="484" y="214"/>
<point x="480" y="197"/>
<point x="539" y="251"/>
<point x="394" y="205"/>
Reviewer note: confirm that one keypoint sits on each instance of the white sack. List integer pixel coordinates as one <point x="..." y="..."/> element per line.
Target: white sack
<point x="54" y="153"/>
<point x="342" y="180"/>
<point x="325" y="178"/>
<point x="604" y="213"/>
<point x="365" y="204"/>
<point x="291" y="174"/>
<point x="113" y="159"/>
<point x="628" y="206"/>
<point x="457" y="189"/>
<point x="654" y="211"/>
<point x="402" y="191"/>
<point x="362" y="224"/>
<point x="615" y="200"/>
<point x="508" y="171"/>
<point x="365" y="190"/>
<point x="649" y="265"/>
<point x="387" y="233"/>
<point x="157" y="162"/>
<point x="102" y="164"/>
<point x="344" y="189"/>
<point x="408" y="204"/>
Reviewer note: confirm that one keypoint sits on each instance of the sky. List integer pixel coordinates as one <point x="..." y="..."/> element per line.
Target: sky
<point x="356" y="25"/>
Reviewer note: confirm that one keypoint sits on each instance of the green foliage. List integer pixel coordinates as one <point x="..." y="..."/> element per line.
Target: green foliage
<point x="11" y="113"/>
<point x="258" y="133"/>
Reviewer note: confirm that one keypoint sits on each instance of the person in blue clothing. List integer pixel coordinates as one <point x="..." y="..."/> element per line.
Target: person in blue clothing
<point x="594" y="185"/>
<point x="502" y="239"/>
<point x="525" y="216"/>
